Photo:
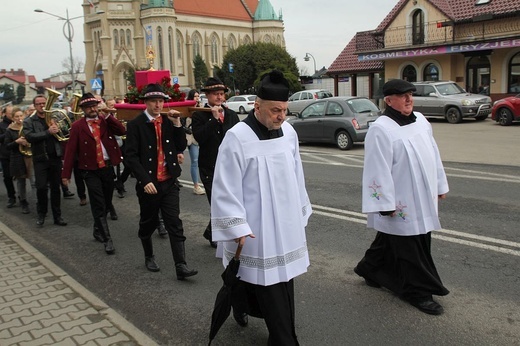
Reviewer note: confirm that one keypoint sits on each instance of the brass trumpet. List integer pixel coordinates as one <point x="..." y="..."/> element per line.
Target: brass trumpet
<point x="25" y="150"/>
<point x="57" y="116"/>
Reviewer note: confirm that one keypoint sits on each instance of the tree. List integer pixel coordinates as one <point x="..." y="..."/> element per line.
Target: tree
<point x="7" y="93"/>
<point x="251" y="61"/>
<point x="200" y="71"/>
<point x="78" y="65"/>
<point x="20" y="93"/>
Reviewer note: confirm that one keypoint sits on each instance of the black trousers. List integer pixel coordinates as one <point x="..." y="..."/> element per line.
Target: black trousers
<point x="79" y="181"/>
<point x="404" y="265"/>
<point x="276" y="306"/>
<point x="100" y="186"/>
<point x="167" y="201"/>
<point x="206" y="176"/>
<point x="8" y="179"/>
<point x="48" y="175"/>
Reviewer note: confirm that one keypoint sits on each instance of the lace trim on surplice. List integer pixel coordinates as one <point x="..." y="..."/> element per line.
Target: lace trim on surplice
<point x="271" y="262"/>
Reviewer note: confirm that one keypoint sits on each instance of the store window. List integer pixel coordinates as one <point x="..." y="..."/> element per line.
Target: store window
<point x="431" y="73"/>
<point x="409" y="74"/>
<point x="478" y="75"/>
<point x="514" y="75"/>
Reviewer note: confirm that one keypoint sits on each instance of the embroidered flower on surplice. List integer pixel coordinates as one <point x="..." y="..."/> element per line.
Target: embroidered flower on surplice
<point x="375" y="194"/>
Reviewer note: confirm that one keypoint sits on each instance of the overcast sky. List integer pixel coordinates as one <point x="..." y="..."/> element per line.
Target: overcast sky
<point x="35" y="41"/>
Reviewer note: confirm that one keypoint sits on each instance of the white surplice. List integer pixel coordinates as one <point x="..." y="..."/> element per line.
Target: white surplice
<point x="403" y="171"/>
<point x="259" y="188"/>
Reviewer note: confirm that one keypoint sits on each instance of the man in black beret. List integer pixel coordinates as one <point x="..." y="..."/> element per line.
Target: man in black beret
<point x="209" y="128"/>
<point x="258" y="172"/>
<point x="403" y="180"/>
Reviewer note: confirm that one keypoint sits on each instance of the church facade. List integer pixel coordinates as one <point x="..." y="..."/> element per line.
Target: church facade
<point x="168" y="34"/>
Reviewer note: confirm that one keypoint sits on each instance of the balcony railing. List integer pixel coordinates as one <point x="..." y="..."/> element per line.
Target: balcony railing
<point x="433" y="35"/>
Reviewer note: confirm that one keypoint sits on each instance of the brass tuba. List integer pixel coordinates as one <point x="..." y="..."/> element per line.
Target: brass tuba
<point x="57" y="116"/>
<point x="76" y="110"/>
<point x="25" y="150"/>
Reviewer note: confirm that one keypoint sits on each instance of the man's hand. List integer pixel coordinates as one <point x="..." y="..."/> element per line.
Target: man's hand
<point x="175" y="117"/>
<point x="65" y="181"/>
<point x="242" y="240"/>
<point x="217" y="111"/>
<point x="150" y="189"/>
<point x="53" y="128"/>
<point x="180" y="158"/>
<point x="21" y="141"/>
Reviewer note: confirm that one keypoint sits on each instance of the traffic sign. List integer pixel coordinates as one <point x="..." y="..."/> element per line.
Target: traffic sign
<point x="175" y="80"/>
<point x="95" y="84"/>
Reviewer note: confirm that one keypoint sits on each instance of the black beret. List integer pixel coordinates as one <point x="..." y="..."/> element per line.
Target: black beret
<point x="397" y="86"/>
<point x="274" y="87"/>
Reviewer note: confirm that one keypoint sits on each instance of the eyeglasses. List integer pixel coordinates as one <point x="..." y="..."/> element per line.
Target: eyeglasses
<point x="40" y="104"/>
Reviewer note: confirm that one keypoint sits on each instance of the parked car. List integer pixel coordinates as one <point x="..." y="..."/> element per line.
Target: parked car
<point x="299" y="100"/>
<point x="242" y="103"/>
<point x="448" y="100"/>
<point x="506" y="110"/>
<point x="203" y="99"/>
<point x="341" y="120"/>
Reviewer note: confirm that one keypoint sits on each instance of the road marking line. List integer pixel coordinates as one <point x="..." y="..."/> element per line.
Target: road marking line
<point x="361" y="219"/>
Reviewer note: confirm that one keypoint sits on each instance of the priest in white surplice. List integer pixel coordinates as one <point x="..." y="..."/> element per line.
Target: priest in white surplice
<point x="403" y="178"/>
<point x="259" y="194"/>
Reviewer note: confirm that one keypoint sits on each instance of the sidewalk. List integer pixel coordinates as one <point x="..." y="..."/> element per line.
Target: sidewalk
<point x="41" y="305"/>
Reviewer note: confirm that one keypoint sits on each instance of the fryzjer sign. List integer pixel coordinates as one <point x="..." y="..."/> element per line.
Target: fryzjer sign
<point x="459" y="48"/>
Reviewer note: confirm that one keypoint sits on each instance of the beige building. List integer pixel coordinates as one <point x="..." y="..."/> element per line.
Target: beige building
<point x="120" y="37"/>
<point x="475" y="43"/>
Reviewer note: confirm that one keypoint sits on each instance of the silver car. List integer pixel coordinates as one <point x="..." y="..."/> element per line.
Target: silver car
<point x="301" y="99"/>
<point x="340" y="120"/>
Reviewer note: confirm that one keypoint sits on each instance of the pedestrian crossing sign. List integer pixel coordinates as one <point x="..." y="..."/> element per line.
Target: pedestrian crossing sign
<point x="95" y="84"/>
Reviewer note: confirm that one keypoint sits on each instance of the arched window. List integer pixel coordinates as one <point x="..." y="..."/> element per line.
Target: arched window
<point x="514" y="74"/>
<point x="122" y="37"/>
<point x="196" y="45"/>
<point x="247" y="40"/>
<point x="418" y="27"/>
<point x="431" y="73"/>
<point x="160" y="48"/>
<point x="232" y="42"/>
<point x="170" y="47"/>
<point x="410" y="74"/>
<point x="179" y="46"/>
<point x="214" y="49"/>
<point x="128" y="38"/>
<point x="116" y="39"/>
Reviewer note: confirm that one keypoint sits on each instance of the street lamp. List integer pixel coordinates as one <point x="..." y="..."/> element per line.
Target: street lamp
<point x="307" y="57"/>
<point x="68" y="32"/>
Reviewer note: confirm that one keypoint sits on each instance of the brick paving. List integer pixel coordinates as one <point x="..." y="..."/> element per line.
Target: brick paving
<point x="41" y="305"/>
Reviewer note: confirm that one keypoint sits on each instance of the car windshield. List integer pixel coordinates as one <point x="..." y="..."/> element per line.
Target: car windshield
<point x="449" y="89"/>
<point x="323" y="94"/>
<point x="362" y="106"/>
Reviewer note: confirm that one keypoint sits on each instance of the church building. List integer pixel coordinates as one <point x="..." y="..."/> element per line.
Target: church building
<point x="124" y="34"/>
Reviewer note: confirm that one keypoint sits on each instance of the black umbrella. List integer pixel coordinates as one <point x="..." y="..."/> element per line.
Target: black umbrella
<point x="222" y="307"/>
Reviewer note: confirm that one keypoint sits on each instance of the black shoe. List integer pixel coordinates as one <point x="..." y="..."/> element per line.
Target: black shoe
<point x="163" y="233"/>
<point x="41" y="220"/>
<point x="241" y="318"/>
<point x="109" y="247"/>
<point x="150" y="264"/>
<point x="428" y="306"/>
<point x="113" y="214"/>
<point x="59" y="221"/>
<point x="97" y="235"/>
<point x="25" y="207"/>
<point x="369" y="282"/>
<point x="207" y="235"/>
<point x="67" y="194"/>
<point x="11" y="202"/>
<point x="183" y="271"/>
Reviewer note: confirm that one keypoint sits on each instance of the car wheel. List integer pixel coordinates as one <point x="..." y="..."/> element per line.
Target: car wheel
<point x="453" y="115"/>
<point x="343" y="140"/>
<point x="505" y="117"/>
<point x="242" y="110"/>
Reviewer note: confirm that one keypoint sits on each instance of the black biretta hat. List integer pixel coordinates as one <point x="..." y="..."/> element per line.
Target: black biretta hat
<point x="397" y="86"/>
<point x="154" y="91"/>
<point x="214" y="84"/>
<point x="273" y="86"/>
<point x="88" y="100"/>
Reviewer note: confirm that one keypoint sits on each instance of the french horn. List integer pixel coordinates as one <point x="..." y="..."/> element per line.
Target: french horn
<point x="76" y="110"/>
<point x="57" y="116"/>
